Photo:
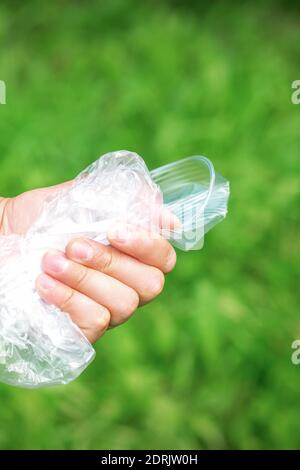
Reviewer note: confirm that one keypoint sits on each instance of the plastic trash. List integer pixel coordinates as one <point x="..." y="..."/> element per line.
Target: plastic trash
<point x="39" y="344"/>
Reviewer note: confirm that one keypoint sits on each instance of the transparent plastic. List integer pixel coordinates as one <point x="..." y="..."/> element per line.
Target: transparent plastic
<point x="39" y="344"/>
<point x="196" y="194"/>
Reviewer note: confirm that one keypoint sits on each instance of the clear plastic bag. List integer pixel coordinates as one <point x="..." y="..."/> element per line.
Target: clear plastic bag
<point x="39" y="344"/>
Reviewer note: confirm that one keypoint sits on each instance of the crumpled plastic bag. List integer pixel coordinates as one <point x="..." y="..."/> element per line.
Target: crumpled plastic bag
<point x="39" y="344"/>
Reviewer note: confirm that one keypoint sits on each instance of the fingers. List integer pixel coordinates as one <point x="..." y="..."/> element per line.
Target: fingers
<point x="101" y="286"/>
<point x="147" y="247"/>
<point x="92" y="318"/>
<point x="118" y="298"/>
<point x="147" y="281"/>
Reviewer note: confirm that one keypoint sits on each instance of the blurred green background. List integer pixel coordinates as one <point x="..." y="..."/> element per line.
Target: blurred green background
<point x="207" y="365"/>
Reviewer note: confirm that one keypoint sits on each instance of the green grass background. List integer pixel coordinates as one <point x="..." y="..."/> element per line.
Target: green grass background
<point x="207" y="365"/>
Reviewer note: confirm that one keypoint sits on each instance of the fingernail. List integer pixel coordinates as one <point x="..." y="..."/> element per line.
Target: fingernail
<point x="46" y="282"/>
<point x="55" y="263"/>
<point x="82" y="251"/>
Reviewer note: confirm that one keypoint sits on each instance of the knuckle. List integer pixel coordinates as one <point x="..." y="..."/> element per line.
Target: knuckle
<point x="134" y="301"/>
<point x="101" y="321"/>
<point x="81" y="277"/>
<point x="103" y="260"/>
<point x="156" y="284"/>
<point x="130" y="305"/>
<point x="67" y="301"/>
<point x="98" y="326"/>
<point x="170" y="260"/>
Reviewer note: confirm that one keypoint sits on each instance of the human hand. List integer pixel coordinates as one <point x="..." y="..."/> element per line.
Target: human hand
<point x="99" y="286"/>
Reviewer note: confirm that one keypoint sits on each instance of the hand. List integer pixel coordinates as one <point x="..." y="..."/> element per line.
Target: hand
<point x="99" y="286"/>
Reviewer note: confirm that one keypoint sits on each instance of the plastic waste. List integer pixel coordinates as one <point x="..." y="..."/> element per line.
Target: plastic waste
<point x="39" y="344"/>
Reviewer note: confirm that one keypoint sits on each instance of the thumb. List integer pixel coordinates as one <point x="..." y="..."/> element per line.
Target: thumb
<point x="21" y="211"/>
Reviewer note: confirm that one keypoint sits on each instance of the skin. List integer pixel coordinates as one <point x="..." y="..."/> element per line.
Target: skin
<point x="99" y="286"/>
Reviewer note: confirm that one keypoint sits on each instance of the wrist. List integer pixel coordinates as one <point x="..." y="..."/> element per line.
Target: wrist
<point x="3" y="203"/>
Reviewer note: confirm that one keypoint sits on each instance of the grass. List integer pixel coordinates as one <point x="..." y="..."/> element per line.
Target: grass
<point x="207" y="365"/>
